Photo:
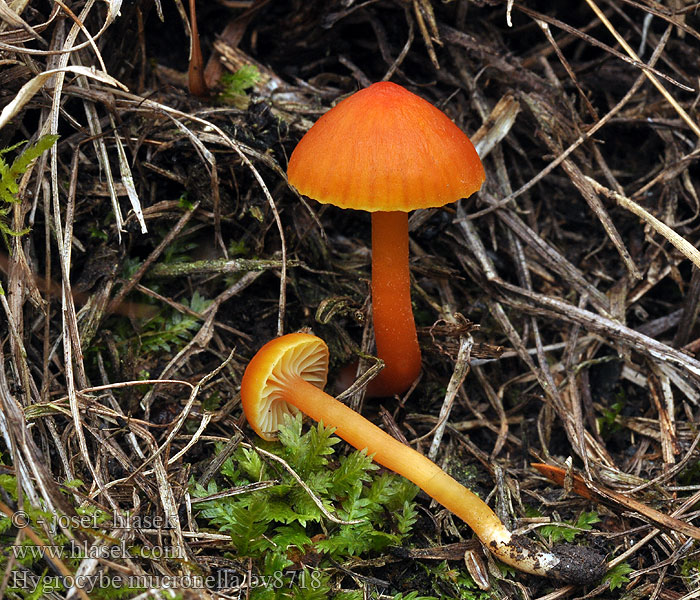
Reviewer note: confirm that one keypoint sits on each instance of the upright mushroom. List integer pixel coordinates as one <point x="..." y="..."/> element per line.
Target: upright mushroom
<point x="288" y="374"/>
<point x="387" y="151"/>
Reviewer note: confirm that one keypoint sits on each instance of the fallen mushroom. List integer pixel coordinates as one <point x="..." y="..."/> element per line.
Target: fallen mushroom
<point x="387" y="151"/>
<point x="287" y="375"/>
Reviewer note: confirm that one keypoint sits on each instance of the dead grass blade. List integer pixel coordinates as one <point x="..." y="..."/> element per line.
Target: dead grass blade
<point x="30" y="88"/>
<point x="684" y="246"/>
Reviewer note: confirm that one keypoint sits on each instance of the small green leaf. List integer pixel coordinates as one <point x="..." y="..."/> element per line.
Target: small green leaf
<point x="617" y="576"/>
<point x="569" y="531"/>
<point x="10" y="175"/>
<point x="236" y="84"/>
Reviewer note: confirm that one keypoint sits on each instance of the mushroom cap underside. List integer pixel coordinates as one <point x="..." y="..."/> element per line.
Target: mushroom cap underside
<point x="385" y="149"/>
<point x="277" y="365"/>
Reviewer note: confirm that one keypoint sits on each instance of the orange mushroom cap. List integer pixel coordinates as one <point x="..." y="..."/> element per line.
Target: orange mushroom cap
<point x="278" y="361"/>
<point x="385" y="149"/>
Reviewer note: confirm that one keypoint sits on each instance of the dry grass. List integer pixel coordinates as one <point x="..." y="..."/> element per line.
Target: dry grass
<point x="578" y="257"/>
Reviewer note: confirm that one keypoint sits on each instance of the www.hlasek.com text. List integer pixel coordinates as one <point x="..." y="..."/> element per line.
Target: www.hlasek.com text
<point x="80" y="550"/>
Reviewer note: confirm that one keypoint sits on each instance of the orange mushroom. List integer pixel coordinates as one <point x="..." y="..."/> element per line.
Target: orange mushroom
<point x="387" y="151"/>
<point x="288" y="374"/>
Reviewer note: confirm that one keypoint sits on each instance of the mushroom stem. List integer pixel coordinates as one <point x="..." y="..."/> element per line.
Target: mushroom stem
<point x="196" y="70"/>
<point x="404" y="460"/>
<point x="394" y="326"/>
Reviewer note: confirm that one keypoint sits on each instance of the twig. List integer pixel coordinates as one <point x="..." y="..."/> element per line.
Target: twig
<point x="685" y="247"/>
<point x="141" y="271"/>
<point x="219" y="265"/>
<point x="664" y="92"/>
<point x="459" y="374"/>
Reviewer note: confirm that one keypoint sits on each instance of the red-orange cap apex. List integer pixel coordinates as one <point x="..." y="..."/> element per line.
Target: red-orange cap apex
<point x="385" y="149"/>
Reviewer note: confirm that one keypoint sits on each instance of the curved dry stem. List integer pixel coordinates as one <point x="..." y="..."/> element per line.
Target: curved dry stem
<point x="574" y="564"/>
